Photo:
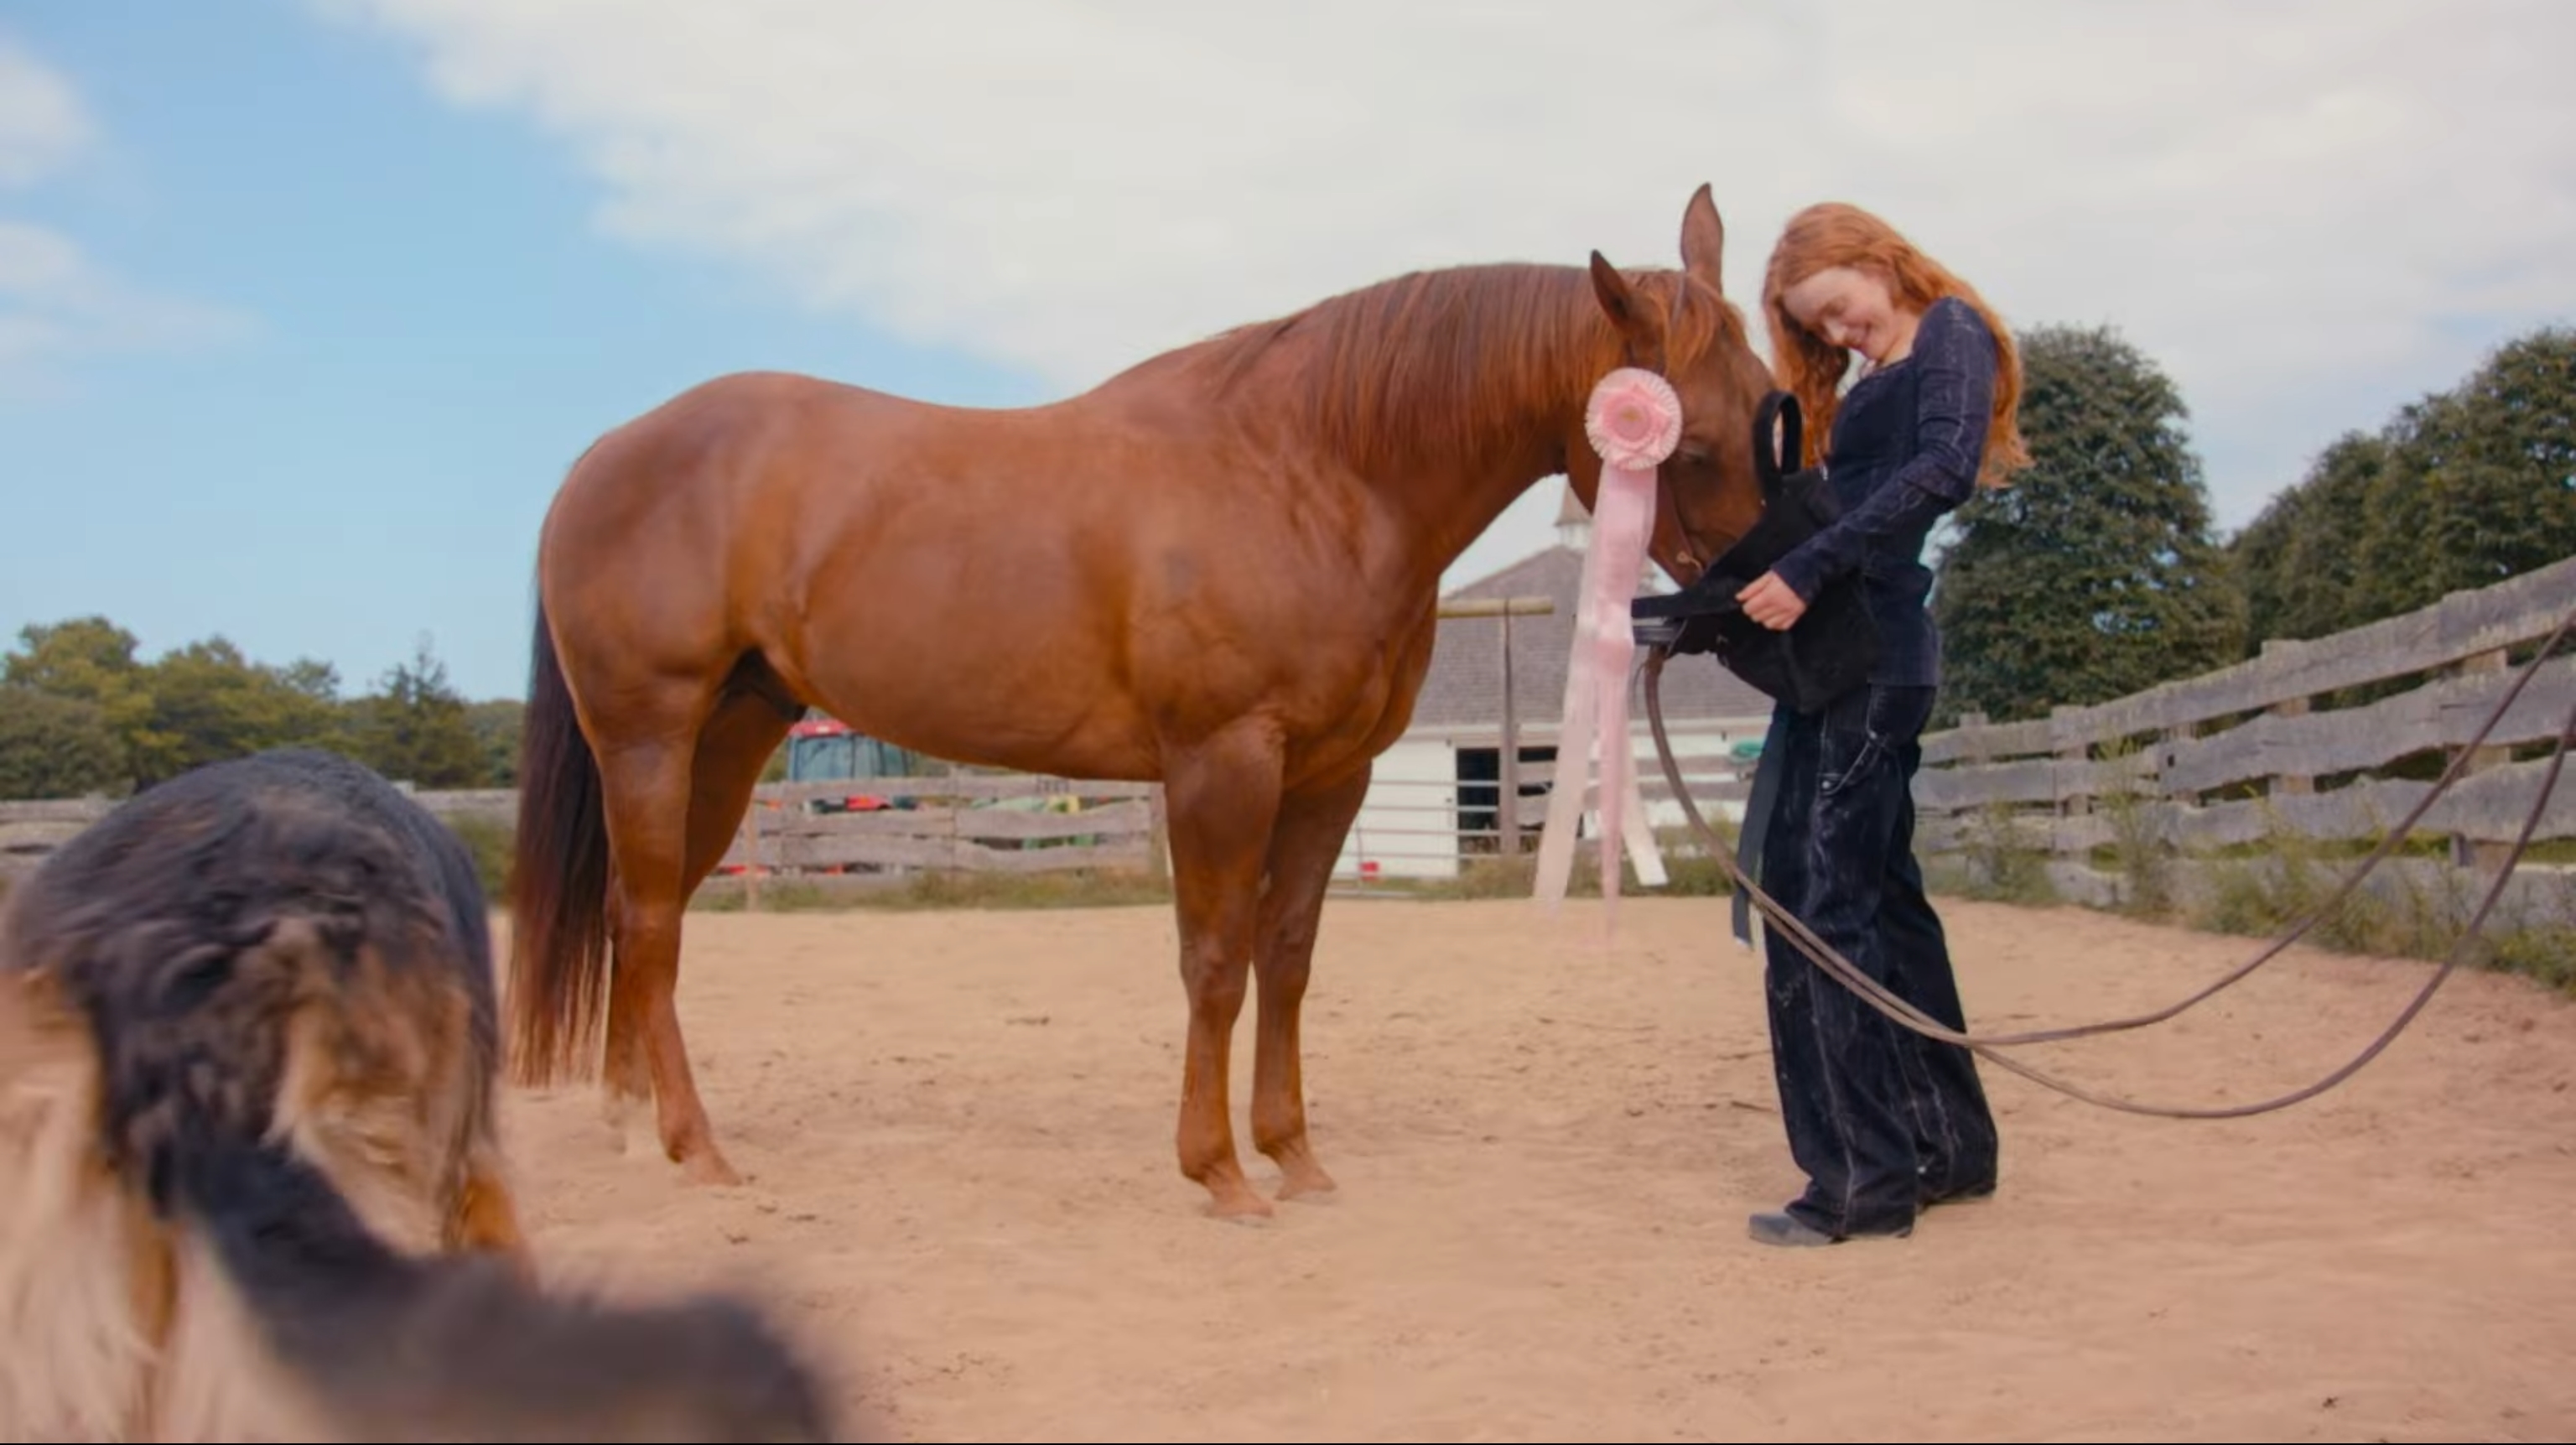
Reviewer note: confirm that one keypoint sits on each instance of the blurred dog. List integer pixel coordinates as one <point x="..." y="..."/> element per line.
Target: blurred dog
<point x="250" y="1181"/>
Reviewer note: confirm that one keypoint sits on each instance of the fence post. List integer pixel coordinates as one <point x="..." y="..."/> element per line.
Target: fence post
<point x="1507" y="809"/>
<point x="2465" y="851"/>
<point x="2287" y="707"/>
<point x="1158" y="845"/>
<point x="2168" y="792"/>
<point x="2074" y="760"/>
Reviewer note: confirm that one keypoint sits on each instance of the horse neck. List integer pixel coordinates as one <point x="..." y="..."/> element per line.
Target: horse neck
<point x="1449" y="507"/>
<point x="1445" y="395"/>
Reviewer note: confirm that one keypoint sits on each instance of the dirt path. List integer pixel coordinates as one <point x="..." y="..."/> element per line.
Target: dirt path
<point x="957" y="1129"/>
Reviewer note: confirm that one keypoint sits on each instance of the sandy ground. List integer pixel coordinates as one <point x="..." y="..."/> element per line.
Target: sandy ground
<point x="957" y="1135"/>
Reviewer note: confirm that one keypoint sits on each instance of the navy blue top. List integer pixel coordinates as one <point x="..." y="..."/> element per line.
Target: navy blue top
<point x="1908" y="441"/>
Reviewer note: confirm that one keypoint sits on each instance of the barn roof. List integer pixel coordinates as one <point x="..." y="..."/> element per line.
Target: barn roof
<point x="1463" y="692"/>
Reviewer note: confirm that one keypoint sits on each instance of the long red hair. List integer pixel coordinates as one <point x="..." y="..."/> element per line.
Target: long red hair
<point x="1809" y="367"/>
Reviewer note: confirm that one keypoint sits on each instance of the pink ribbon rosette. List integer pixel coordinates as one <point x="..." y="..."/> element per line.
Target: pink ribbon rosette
<point x="1634" y="420"/>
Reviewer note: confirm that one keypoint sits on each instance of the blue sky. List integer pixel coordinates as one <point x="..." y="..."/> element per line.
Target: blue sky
<point x="304" y="307"/>
<point x="418" y="330"/>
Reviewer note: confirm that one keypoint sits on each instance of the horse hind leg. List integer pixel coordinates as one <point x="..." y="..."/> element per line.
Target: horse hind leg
<point x="647" y="1053"/>
<point x="1308" y="837"/>
<point x="734" y="748"/>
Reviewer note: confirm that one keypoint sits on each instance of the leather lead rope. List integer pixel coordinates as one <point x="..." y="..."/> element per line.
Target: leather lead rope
<point x="1899" y="1011"/>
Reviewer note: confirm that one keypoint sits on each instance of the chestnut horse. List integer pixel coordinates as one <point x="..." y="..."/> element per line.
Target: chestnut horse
<point x="1218" y="569"/>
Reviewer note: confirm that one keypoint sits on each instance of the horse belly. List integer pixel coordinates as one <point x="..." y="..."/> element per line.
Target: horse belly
<point x="978" y="679"/>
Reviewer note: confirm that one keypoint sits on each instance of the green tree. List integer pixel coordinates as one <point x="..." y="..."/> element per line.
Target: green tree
<point x="2301" y="558"/>
<point x="92" y="660"/>
<point x="2461" y="489"/>
<point x="210" y="703"/>
<point x="416" y="728"/>
<point x="2485" y="482"/>
<point x="2095" y="573"/>
<point x="194" y="705"/>
<point x="496" y="725"/>
<point x="52" y="746"/>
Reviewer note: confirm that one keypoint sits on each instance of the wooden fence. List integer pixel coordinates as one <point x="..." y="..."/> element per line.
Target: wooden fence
<point x="2313" y="740"/>
<point x="29" y="831"/>
<point x="2154" y="784"/>
<point x="1012" y="823"/>
<point x="1006" y="823"/>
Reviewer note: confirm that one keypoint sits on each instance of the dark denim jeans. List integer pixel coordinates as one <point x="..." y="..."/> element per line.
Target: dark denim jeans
<point x="1881" y="1119"/>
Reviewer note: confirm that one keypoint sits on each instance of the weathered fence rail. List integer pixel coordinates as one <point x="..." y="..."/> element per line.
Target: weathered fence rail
<point x="1008" y="823"/>
<point x="985" y="824"/>
<point x="29" y="831"/>
<point x="2260" y="751"/>
<point x="973" y="822"/>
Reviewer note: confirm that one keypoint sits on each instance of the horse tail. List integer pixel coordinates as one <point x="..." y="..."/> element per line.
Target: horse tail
<point x="558" y="885"/>
<point x="461" y="1345"/>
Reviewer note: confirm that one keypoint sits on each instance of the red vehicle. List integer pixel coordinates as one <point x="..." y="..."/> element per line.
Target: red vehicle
<point x="824" y="749"/>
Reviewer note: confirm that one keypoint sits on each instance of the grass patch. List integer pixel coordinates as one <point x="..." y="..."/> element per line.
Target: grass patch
<point x="2545" y="954"/>
<point x="492" y="844"/>
<point x="1997" y="863"/>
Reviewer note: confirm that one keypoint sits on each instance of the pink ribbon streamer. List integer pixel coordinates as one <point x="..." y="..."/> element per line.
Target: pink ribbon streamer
<point x="1634" y="420"/>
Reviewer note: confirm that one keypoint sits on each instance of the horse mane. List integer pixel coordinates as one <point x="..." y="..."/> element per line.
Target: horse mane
<point x="1425" y="368"/>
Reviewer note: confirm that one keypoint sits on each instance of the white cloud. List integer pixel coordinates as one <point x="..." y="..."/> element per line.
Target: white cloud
<point x="2297" y="208"/>
<point x="56" y="300"/>
<point x="43" y="125"/>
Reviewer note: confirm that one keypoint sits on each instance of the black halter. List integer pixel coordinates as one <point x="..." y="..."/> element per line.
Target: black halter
<point x="1834" y="642"/>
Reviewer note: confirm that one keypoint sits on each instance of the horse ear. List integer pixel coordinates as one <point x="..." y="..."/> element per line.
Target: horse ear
<point x="1639" y="325"/>
<point x="1617" y="297"/>
<point x="1703" y="240"/>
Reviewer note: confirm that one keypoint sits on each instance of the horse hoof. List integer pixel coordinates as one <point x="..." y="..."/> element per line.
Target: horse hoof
<point x="1240" y="1206"/>
<point x="1300" y="1177"/>
<point x="1314" y="1186"/>
<point x="708" y="1167"/>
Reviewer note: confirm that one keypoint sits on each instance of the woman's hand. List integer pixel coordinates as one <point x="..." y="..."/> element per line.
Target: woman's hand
<point x="1769" y="601"/>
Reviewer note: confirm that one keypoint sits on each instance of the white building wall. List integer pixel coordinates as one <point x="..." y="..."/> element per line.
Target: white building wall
<point x="1408" y="825"/>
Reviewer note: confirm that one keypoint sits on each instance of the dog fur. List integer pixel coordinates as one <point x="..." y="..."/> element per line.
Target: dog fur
<point x="251" y="1185"/>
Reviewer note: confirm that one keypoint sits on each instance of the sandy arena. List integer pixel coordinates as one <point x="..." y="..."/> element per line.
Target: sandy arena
<point x="957" y="1135"/>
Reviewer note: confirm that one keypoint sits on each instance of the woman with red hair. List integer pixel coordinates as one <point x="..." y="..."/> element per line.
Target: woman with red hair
<point x="1883" y="1122"/>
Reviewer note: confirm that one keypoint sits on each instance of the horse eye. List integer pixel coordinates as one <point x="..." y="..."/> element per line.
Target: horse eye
<point x="1691" y="452"/>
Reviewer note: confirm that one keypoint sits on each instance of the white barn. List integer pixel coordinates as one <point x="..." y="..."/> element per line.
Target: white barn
<point x="1434" y="795"/>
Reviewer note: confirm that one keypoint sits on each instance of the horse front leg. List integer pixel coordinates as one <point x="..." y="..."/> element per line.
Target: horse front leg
<point x="1220" y="797"/>
<point x="1308" y="837"/>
